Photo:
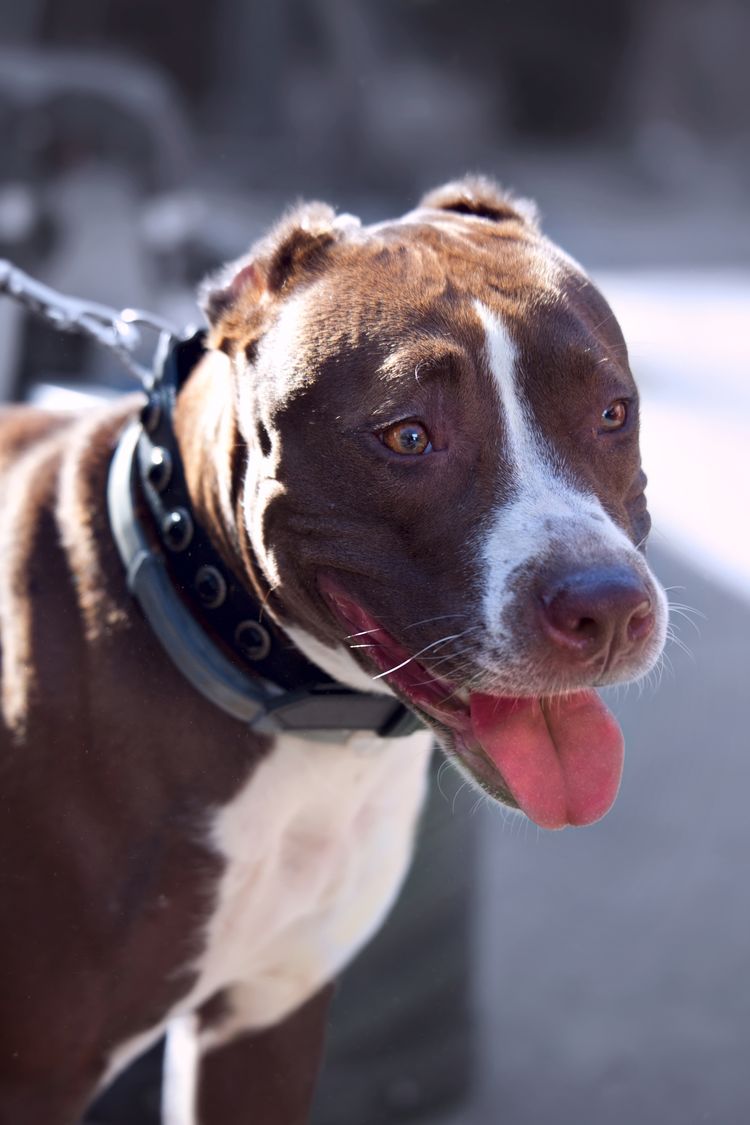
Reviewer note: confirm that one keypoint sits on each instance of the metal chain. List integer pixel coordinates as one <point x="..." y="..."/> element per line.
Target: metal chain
<point x="120" y="332"/>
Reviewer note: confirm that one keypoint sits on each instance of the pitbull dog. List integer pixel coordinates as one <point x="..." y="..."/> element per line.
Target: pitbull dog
<point x="415" y="445"/>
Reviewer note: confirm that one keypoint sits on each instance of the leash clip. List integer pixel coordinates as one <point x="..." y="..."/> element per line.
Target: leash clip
<point x="119" y="331"/>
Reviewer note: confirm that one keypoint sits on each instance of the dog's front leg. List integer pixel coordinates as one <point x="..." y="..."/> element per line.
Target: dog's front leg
<point x="254" y="1078"/>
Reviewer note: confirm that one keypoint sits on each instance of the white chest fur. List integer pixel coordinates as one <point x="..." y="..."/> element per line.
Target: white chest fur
<point x="316" y="846"/>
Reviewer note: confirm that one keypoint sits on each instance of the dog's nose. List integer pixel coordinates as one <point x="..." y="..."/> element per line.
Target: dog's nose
<point x="599" y="610"/>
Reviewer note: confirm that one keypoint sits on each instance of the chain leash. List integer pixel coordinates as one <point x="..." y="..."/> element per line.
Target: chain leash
<point x="120" y="332"/>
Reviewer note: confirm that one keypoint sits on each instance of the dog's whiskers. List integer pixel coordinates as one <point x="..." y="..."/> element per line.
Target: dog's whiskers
<point x="687" y="609"/>
<point x="688" y="612"/>
<point x="264" y="603"/>
<point x="455" y="797"/>
<point x="679" y="643"/>
<point x="444" y="765"/>
<point x="448" y="657"/>
<point x="434" y="644"/>
<point x="428" y="620"/>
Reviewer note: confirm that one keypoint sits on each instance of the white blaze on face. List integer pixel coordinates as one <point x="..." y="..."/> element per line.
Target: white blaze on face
<point x="545" y="512"/>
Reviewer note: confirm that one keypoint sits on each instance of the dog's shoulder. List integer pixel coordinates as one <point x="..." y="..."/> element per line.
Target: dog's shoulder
<point x="31" y="437"/>
<point x="53" y="478"/>
<point x="22" y="430"/>
<point x="53" y="536"/>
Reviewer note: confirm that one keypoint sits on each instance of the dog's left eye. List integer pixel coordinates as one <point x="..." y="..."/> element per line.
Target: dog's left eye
<point x="406" y="438"/>
<point x="615" y="416"/>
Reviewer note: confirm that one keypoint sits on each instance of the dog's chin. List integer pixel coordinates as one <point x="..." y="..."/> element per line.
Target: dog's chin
<point x="557" y="758"/>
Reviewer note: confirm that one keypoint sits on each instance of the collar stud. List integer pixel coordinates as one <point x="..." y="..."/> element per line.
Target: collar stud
<point x="159" y="469"/>
<point x="177" y="529"/>
<point x="252" y="640"/>
<point x="210" y="586"/>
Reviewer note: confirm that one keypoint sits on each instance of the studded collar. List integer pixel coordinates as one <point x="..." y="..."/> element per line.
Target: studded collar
<point x="210" y="624"/>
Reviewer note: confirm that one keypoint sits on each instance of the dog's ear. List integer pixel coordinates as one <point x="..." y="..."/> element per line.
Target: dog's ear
<point x="295" y="249"/>
<point x="242" y="282"/>
<point x="480" y="196"/>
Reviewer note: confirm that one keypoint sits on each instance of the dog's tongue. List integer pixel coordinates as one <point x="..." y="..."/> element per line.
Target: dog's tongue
<point x="561" y="759"/>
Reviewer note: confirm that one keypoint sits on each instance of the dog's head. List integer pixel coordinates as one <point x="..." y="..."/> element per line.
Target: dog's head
<point x="442" y="479"/>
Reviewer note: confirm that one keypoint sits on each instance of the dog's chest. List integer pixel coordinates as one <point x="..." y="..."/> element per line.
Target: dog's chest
<point x="316" y="846"/>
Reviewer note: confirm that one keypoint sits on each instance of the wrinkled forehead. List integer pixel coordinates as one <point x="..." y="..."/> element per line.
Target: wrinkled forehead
<point x="418" y="287"/>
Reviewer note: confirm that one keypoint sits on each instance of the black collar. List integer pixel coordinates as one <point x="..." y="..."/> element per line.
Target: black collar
<point x="211" y="626"/>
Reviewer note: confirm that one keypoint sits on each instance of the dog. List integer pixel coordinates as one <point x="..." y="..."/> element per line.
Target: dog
<point x="412" y="449"/>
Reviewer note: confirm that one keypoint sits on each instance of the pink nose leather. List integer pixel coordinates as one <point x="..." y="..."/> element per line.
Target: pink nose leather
<point x="600" y="610"/>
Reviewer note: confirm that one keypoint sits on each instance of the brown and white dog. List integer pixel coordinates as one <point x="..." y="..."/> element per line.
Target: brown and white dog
<point x="418" y="443"/>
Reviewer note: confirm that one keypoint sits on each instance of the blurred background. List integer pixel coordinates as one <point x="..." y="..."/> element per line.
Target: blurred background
<point x="594" y="976"/>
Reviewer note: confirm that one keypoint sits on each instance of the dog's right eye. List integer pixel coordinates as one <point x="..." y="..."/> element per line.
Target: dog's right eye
<point x="408" y="438"/>
<point x="615" y="416"/>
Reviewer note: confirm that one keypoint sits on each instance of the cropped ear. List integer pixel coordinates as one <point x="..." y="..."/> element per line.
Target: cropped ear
<point x="235" y="299"/>
<point x="480" y="196"/>
<point x="240" y="282"/>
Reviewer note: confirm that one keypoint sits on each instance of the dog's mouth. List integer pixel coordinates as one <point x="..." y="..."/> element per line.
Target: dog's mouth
<point x="558" y="759"/>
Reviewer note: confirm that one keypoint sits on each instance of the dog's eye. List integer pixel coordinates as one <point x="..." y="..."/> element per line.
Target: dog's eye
<point x="406" y="437"/>
<point x="615" y="416"/>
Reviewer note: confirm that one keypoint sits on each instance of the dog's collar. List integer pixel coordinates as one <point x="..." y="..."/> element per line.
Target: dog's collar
<point x="185" y="590"/>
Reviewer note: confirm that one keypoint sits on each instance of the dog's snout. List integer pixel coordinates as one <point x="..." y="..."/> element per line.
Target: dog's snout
<point x="597" y="611"/>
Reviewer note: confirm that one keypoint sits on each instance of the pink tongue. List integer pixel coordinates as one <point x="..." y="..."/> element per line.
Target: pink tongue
<point x="561" y="760"/>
